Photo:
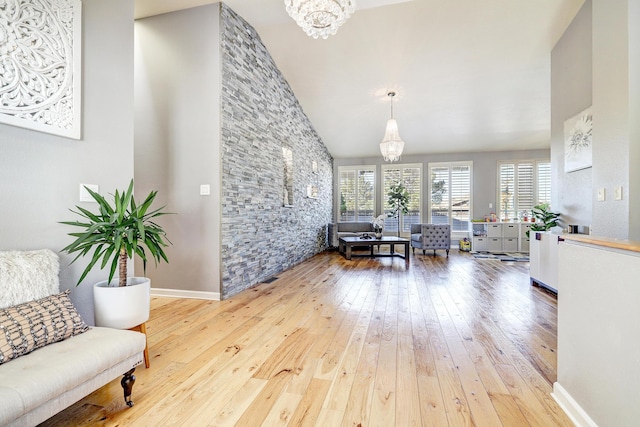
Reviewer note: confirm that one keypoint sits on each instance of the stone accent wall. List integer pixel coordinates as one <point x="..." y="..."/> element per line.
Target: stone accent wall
<point x="260" y="115"/>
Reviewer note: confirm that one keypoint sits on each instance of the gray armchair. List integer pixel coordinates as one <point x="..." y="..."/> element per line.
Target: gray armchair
<point x="430" y="236"/>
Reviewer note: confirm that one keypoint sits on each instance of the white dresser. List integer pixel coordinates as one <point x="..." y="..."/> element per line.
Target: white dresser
<point x="500" y="236"/>
<point x="543" y="259"/>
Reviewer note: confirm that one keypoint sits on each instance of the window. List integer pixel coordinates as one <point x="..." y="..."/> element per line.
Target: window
<point x="450" y="189"/>
<point x="357" y="193"/>
<point x="522" y="184"/>
<point x="411" y="176"/>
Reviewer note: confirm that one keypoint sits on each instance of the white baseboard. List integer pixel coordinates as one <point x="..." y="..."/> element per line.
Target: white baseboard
<point x="574" y="411"/>
<point x="178" y="293"/>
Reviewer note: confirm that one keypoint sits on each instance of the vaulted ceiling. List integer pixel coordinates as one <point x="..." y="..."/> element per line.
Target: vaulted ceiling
<point x="469" y="75"/>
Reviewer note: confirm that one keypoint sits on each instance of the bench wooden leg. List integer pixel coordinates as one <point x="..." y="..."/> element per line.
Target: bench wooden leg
<point x="143" y="328"/>
<point x="127" y="382"/>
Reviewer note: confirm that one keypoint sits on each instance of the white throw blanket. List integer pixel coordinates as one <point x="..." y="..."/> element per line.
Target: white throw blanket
<point x="27" y="276"/>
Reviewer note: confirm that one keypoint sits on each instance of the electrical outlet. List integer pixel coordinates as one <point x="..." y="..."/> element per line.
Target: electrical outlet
<point x="205" y="190"/>
<point x="84" y="194"/>
<point x="618" y="193"/>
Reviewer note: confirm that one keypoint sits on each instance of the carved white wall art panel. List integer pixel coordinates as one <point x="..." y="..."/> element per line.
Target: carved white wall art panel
<point x="40" y="65"/>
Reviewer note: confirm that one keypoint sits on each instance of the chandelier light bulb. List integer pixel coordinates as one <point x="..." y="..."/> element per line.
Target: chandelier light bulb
<point x="320" y="18"/>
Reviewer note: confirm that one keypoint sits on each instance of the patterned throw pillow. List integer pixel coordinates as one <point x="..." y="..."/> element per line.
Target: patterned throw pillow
<point x="34" y="324"/>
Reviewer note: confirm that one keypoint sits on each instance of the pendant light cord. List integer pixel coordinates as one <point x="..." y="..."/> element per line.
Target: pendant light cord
<point x="391" y="95"/>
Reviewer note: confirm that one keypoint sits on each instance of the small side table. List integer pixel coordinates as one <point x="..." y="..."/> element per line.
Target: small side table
<point x="143" y="328"/>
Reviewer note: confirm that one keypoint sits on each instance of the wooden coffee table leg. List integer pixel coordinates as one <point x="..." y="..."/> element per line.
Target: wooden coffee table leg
<point x="348" y="254"/>
<point x="406" y="254"/>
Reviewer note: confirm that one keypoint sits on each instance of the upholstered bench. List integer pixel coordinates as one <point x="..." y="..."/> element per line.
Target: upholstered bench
<point x="49" y="358"/>
<point x="347" y="229"/>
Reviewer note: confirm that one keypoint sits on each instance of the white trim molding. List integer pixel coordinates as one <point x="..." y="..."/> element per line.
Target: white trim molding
<point x="179" y="293"/>
<point x="574" y="411"/>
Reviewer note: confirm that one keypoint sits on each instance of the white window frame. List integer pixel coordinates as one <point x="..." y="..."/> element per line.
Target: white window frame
<point x="455" y="234"/>
<point x="536" y="181"/>
<point x="384" y="197"/>
<point x="357" y="168"/>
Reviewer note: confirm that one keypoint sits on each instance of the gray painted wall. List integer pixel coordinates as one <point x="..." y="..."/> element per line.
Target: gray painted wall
<point x="260" y="115"/>
<point x="634" y="123"/>
<point x="615" y="50"/>
<point x="40" y="173"/>
<point x="597" y="61"/>
<point x="212" y="108"/>
<point x="177" y="134"/>
<point x="571" y="94"/>
<point x="611" y="116"/>
<point x="485" y="174"/>
<point x="611" y="27"/>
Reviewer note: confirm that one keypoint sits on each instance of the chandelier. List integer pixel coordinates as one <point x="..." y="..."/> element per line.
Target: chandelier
<point x="391" y="146"/>
<point x="320" y="18"/>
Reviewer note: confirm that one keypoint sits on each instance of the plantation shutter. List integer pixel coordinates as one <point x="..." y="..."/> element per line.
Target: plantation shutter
<point x="390" y="177"/>
<point x="450" y="186"/>
<point x="365" y="196"/>
<point x="440" y="195"/>
<point x="507" y="178"/>
<point x="357" y="193"/>
<point x="522" y="185"/>
<point x="411" y="177"/>
<point x="524" y="189"/>
<point x="347" y="195"/>
<point x="544" y="182"/>
<point x="460" y="197"/>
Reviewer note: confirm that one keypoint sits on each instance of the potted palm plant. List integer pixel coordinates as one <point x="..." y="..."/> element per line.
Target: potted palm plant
<point x="113" y="235"/>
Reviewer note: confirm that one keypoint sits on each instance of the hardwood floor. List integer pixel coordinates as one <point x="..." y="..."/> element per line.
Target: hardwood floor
<point x="447" y="342"/>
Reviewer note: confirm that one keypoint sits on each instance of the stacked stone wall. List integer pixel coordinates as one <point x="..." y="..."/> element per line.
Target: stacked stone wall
<point x="260" y="116"/>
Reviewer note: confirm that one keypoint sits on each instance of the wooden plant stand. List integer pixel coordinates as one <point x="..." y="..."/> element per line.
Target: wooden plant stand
<point x="143" y="328"/>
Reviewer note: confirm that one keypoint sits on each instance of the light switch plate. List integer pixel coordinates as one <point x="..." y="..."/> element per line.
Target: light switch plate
<point x="601" y="194"/>
<point x="205" y="189"/>
<point x="84" y="194"/>
<point x="618" y="193"/>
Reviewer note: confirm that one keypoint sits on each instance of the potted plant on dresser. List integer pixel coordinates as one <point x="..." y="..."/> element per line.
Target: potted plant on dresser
<point x="113" y="235"/>
<point x="545" y="218"/>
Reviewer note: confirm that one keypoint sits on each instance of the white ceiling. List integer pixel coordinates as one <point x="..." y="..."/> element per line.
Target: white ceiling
<point x="470" y="75"/>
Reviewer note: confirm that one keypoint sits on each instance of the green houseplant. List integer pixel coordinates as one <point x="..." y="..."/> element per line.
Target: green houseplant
<point x="398" y="201"/>
<point x="112" y="236"/>
<point x="545" y="218"/>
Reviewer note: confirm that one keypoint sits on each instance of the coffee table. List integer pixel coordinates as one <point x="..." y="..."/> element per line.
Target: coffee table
<point x="347" y="243"/>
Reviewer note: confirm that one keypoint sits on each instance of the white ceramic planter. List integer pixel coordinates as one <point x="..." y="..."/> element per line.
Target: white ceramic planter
<point x="122" y="307"/>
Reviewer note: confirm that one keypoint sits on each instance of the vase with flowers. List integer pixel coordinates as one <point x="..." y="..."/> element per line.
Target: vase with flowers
<point x="378" y="224"/>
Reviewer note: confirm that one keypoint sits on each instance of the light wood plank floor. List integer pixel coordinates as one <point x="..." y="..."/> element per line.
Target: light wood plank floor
<point x="447" y="342"/>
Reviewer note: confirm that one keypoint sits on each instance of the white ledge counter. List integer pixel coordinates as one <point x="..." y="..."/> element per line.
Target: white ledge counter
<point x="599" y="330"/>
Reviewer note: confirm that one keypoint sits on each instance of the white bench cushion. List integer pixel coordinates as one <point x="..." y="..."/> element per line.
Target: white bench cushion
<point x="45" y="376"/>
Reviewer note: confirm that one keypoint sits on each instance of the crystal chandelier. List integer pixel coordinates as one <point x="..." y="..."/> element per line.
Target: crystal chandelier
<point x="391" y="146"/>
<point x="320" y="18"/>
